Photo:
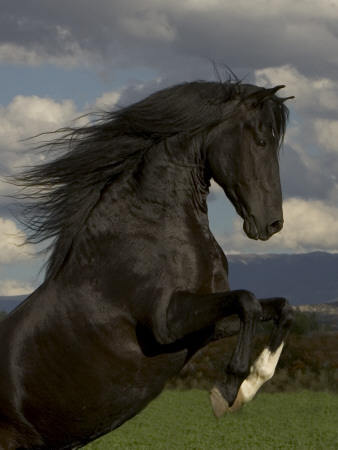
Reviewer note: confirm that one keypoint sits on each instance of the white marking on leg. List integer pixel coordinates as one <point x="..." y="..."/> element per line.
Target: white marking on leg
<point x="260" y="372"/>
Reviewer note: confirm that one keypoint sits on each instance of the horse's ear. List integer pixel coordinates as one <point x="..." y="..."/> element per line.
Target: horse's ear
<point x="258" y="97"/>
<point x="286" y="98"/>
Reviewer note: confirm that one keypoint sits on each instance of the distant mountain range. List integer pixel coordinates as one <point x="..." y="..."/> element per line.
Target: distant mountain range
<point x="9" y="303"/>
<point x="304" y="279"/>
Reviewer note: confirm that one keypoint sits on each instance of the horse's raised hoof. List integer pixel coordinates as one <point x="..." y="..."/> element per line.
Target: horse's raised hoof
<point x="220" y="406"/>
<point x="218" y="403"/>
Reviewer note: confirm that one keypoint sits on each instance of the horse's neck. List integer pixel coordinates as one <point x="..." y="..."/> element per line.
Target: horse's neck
<point x="173" y="174"/>
<point x="161" y="189"/>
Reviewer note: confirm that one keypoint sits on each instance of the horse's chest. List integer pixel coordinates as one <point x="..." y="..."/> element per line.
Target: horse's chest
<point x="199" y="264"/>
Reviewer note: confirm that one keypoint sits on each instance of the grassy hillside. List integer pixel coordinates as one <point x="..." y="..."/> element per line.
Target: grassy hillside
<point x="183" y="420"/>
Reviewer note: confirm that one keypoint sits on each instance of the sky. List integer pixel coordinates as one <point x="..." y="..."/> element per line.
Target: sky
<point x="59" y="59"/>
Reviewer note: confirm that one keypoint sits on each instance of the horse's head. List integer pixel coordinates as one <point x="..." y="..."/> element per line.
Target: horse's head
<point x="242" y="155"/>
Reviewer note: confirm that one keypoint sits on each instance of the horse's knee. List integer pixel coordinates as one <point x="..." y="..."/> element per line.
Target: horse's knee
<point x="284" y="312"/>
<point x="249" y="305"/>
<point x="279" y="310"/>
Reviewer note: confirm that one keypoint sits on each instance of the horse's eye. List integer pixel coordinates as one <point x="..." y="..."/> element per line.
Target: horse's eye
<point x="261" y="143"/>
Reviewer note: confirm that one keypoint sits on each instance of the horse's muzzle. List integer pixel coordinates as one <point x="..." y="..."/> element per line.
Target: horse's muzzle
<point x="254" y="231"/>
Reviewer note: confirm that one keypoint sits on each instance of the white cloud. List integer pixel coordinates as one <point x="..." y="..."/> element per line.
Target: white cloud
<point x="309" y="225"/>
<point x="25" y="117"/>
<point x="14" y="287"/>
<point x="327" y="134"/>
<point x="108" y="99"/>
<point x="11" y="240"/>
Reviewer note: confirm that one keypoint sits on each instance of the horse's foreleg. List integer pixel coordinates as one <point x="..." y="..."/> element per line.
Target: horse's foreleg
<point x="188" y="313"/>
<point x="280" y="311"/>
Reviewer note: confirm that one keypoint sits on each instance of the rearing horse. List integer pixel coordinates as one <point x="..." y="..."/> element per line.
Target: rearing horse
<point x="136" y="283"/>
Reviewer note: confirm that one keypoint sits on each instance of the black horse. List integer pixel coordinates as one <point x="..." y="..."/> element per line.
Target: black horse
<point x="136" y="282"/>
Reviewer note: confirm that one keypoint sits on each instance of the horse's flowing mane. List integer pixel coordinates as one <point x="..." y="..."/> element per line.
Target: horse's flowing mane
<point x="58" y="195"/>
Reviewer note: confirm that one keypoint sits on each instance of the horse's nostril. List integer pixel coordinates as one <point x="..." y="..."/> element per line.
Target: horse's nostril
<point x="276" y="226"/>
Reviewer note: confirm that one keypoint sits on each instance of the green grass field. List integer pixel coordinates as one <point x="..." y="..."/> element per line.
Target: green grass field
<point x="183" y="420"/>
